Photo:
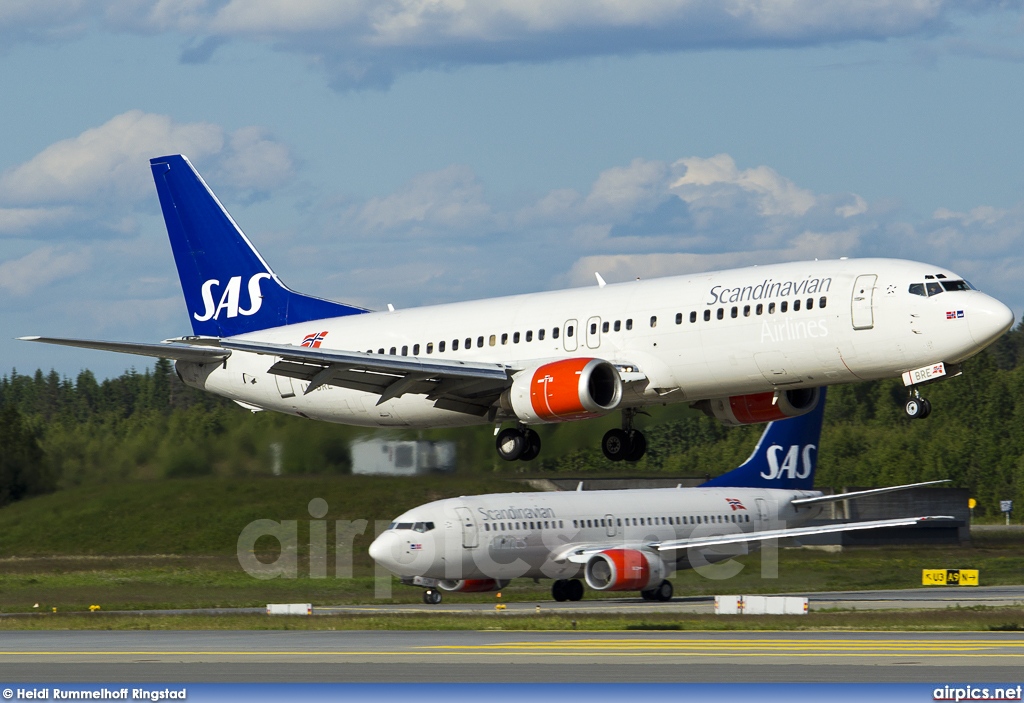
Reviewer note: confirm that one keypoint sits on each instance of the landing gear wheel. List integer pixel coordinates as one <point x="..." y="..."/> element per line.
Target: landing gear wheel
<point x="431" y="596"/>
<point x="615" y="444"/>
<point x="927" y="408"/>
<point x="511" y="444"/>
<point x="532" y="440"/>
<point x="574" y="589"/>
<point x="647" y="595"/>
<point x="917" y="408"/>
<point x="663" y="592"/>
<point x="637" y="445"/>
<point x="558" y="590"/>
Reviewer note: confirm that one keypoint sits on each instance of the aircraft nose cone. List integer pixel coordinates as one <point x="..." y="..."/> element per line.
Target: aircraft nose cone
<point x="382" y="549"/>
<point x="988" y="320"/>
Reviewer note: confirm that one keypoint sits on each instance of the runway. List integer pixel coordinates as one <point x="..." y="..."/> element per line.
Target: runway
<point x="462" y="656"/>
<point x="895" y="599"/>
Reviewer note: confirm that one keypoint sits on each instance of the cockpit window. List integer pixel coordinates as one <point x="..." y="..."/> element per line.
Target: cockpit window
<point x="956" y="285"/>
<point x="403" y="525"/>
<point x="423" y="526"/>
<point x="933" y="287"/>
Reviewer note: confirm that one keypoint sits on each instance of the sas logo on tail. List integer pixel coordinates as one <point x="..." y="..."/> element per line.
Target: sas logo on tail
<point x="795" y="463"/>
<point x="229" y="298"/>
<point x="313" y="340"/>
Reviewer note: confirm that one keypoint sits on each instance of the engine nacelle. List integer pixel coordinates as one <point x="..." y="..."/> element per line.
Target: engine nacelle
<point x="759" y="407"/>
<point x="472" y="585"/>
<point x="624" y="570"/>
<point x="570" y="389"/>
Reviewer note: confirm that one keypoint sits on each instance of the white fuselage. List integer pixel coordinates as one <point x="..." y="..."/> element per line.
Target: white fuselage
<point x="694" y="337"/>
<point x="511" y="535"/>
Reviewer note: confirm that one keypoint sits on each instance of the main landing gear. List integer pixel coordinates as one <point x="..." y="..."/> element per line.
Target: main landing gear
<point x="520" y="443"/>
<point x="626" y="444"/>
<point x="917" y="408"/>
<point x="662" y="592"/>
<point x="567" y="589"/>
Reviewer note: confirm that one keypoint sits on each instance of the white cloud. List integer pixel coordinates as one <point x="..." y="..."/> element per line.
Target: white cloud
<point x="368" y="43"/>
<point x="40" y="268"/>
<point x="109" y="162"/>
<point x="710" y="182"/>
<point x="451" y="198"/>
<point x="98" y="177"/>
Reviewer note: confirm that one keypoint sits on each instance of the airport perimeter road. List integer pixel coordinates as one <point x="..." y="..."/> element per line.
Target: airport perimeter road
<point x="511" y="656"/>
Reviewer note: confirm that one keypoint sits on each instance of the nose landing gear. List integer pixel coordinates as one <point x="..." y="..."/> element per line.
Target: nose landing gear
<point x="431" y="596"/>
<point x="917" y="408"/>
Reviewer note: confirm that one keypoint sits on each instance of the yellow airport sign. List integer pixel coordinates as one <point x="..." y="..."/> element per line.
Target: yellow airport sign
<point x="949" y="577"/>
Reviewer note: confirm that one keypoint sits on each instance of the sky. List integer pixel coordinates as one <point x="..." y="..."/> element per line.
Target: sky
<point x="421" y="151"/>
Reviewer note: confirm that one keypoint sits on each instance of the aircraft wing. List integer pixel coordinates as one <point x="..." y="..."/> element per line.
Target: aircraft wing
<point x="581" y="554"/>
<point x="183" y="352"/>
<point x="468" y="387"/>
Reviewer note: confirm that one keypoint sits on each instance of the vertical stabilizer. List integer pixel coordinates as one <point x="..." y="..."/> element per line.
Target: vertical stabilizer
<point x="229" y="288"/>
<point x="785" y="457"/>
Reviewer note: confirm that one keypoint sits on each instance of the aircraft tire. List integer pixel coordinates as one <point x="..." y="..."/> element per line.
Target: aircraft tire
<point x="558" y="590"/>
<point x="615" y="444"/>
<point x="637" y="446"/>
<point x="927" y="408"/>
<point x="574" y="589"/>
<point x="915" y="408"/>
<point x="532" y="450"/>
<point x="510" y="443"/>
<point x="431" y="596"/>
<point x="663" y="592"/>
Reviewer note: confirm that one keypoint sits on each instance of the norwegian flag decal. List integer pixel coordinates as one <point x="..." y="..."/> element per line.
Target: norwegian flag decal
<point x="735" y="503"/>
<point x="954" y="314"/>
<point x="313" y="340"/>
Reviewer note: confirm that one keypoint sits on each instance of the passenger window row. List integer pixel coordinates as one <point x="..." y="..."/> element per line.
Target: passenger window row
<point x="493" y="340"/>
<point x="760" y="309"/>
<point x="525" y="525"/>
<point x="617" y="326"/>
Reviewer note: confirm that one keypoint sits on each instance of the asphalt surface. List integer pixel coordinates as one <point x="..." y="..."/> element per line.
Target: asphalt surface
<point x="509" y="656"/>
<point x="462" y="656"/>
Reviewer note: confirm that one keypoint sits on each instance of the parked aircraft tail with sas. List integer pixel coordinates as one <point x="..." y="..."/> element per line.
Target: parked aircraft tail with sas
<point x="747" y="345"/>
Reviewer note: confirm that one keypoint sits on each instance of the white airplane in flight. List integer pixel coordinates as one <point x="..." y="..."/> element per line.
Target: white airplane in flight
<point x="746" y="345"/>
<point x="618" y="540"/>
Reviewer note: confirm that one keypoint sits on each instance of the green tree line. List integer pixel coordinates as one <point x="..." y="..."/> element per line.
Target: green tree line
<point x="57" y="433"/>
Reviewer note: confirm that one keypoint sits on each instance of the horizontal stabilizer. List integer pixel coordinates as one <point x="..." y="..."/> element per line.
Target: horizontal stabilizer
<point x="860" y="494"/>
<point x="180" y="352"/>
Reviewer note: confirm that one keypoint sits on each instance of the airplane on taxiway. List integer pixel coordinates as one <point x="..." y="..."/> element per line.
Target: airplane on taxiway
<point x="619" y="540"/>
<point x="745" y="345"/>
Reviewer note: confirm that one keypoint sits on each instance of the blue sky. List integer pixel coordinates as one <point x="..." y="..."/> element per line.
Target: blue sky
<point x="418" y="152"/>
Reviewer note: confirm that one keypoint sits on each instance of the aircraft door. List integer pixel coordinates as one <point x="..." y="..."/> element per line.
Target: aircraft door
<point x="569" y="331"/>
<point x="762" y="513"/>
<point x="863" y="297"/>
<point x="594" y="332"/>
<point x="469" y="531"/>
<point x="609" y="525"/>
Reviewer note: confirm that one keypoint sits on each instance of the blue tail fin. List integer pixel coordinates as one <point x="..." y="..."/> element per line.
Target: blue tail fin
<point x="785" y="457"/>
<point x="229" y="288"/>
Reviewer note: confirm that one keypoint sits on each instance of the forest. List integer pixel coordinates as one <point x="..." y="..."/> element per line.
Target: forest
<point x="58" y="432"/>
